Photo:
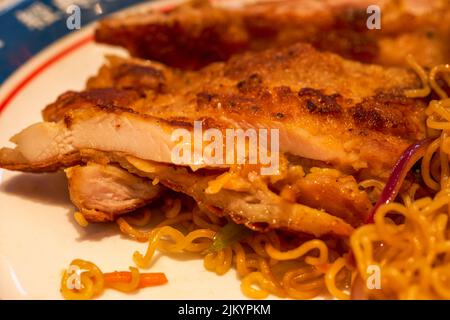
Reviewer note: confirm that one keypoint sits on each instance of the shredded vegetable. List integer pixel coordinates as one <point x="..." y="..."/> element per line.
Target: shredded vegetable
<point x="406" y="161"/>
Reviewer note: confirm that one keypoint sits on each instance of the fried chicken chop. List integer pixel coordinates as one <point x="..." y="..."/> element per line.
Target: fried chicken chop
<point x="339" y="122"/>
<point x="196" y="34"/>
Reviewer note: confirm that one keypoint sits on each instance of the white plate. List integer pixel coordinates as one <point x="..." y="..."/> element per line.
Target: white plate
<point x="38" y="235"/>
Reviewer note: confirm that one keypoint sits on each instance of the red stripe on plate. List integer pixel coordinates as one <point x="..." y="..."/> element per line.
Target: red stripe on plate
<point x="58" y="56"/>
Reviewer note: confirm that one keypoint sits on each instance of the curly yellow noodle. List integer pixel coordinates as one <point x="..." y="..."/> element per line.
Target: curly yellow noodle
<point x="143" y="261"/>
<point x="301" y="251"/>
<point x="186" y="243"/>
<point x="304" y="275"/>
<point x="249" y="281"/>
<point x="434" y="71"/>
<point x="127" y="229"/>
<point x="303" y="283"/>
<point x="174" y="210"/>
<point x="372" y="183"/>
<point x="361" y="243"/>
<point x="439" y="107"/>
<point x="219" y="262"/>
<point x="419" y="204"/>
<point x="438" y="115"/>
<point x="176" y="220"/>
<point x="178" y="243"/>
<point x="312" y="284"/>
<point x="202" y="223"/>
<point x="241" y="260"/>
<point x="412" y="191"/>
<point x="330" y="279"/>
<point x="444" y="164"/>
<point x="425" y="90"/>
<point x="387" y="229"/>
<point x="210" y="261"/>
<point x="435" y="168"/>
<point x="408" y="197"/>
<point x="257" y="244"/>
<point x="274" y="287"/>
<point x="425" y="166"/>
<point x="225" y="261"/>
<point x="140" y="220"/>
<point x="445" y="145"/>
<point x="252" y="261"/>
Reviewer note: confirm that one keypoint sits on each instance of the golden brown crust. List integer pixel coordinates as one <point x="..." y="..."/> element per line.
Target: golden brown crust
<point x="132" y="74"/>
<point x="104" y="97"/>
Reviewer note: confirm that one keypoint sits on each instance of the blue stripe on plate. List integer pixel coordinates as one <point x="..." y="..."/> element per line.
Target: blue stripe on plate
<point x="28" y="26"/>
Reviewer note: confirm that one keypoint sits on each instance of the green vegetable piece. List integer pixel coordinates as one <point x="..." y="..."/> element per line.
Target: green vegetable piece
<point x="229" y="234"/>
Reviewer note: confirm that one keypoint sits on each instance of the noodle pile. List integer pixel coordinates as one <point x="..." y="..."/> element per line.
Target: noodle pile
<point x="409" y="241"/>
<point x="303" y="272"/>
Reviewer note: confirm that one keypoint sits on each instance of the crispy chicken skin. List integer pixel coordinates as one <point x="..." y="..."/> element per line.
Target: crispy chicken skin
<point x="102" y="97"/>
<point x="194" y="35"/>
<point x="103" y="192"/>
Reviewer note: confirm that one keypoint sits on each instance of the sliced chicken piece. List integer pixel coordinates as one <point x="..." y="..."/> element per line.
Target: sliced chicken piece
<point x="352" y="116"/>
<point x="103" y="192"/>
<point x="194" y="35"/>
<point x="332" y="191"/>
<point x="254" y="205"/>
